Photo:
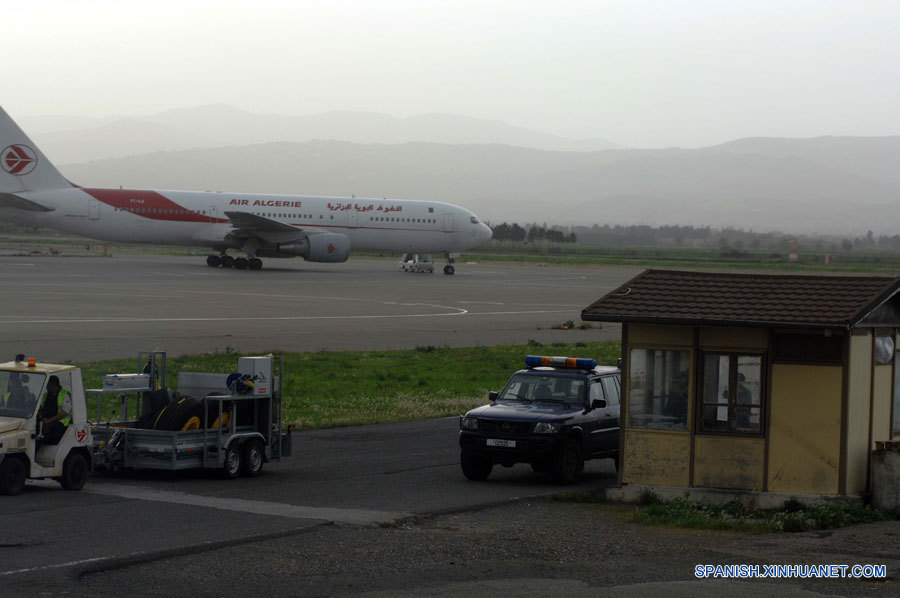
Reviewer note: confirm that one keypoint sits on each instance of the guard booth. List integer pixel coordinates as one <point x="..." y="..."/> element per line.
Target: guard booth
<point x="757" y="382"/>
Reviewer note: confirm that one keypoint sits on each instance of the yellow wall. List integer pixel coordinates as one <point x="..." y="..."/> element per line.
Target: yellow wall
<point x="805" y="429"/>
<point x="858" y="391"/>
<point x="643" y="334"/>
<point x="881" y="409"/>
<point x="728" y="462"/>
<point x="734" y="338"/>
<point x="656" y="458"/>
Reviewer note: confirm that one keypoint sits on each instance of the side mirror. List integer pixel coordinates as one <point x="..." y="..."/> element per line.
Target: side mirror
<point x="598" y="403"/>
<point x="493" y="396"/>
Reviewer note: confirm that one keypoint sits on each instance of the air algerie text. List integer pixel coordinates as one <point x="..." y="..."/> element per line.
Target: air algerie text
<point x="268" y="203"/>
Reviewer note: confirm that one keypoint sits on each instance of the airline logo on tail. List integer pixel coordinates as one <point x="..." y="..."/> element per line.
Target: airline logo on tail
<point x="18" y="159"/>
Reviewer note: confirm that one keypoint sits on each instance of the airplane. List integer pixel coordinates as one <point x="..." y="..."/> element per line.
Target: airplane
<point x="318" y="229"/>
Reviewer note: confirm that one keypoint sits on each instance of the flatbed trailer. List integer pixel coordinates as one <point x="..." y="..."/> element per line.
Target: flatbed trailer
<point x="236" y="427"/>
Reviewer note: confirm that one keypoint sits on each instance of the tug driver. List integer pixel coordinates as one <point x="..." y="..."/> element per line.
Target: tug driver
<point x="56" y="410"/>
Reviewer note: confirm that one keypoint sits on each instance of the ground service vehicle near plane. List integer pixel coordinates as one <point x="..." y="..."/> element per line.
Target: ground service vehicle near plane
<point x="318" y="229"/>
<point x="230" y="422"/>
<point x="417" y="262"/>
<point x="554" y="414"/>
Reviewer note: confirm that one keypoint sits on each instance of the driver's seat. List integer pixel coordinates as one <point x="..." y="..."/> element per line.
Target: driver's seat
<point x="543" y="393"/>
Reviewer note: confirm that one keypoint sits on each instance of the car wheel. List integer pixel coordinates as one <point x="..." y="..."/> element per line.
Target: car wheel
<point x="12" y="476"/>
<point x="233" y="462"/>
<point x="567" y="462"/>
<point x="74" y="472"/>
<point x="540" y="467"/>
<point x="253" y="458"/>
<point x="475" y="467"/>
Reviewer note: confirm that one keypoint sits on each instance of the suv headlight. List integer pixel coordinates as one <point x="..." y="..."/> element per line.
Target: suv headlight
<point x="468" y="423"/>
<point x="547" y="427"/>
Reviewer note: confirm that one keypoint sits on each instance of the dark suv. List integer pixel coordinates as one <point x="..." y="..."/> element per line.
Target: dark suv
<point x="555" y="414"/>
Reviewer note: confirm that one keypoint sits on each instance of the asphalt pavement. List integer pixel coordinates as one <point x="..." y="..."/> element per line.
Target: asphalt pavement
<point x="60" y="308"/>
<point x="84" y="308"/>
<point x="366" y="476"/>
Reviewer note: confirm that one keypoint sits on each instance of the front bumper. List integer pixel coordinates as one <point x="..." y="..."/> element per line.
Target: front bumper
<point x="528" y="449"/>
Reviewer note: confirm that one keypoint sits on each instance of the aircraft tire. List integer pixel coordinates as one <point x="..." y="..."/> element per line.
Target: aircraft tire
<point x="449" y="270"/>
<point x="241" y="263"/>
<point x="255" y="263"/>
<point x="213" y="261"/>
<point x="227" y="261"/>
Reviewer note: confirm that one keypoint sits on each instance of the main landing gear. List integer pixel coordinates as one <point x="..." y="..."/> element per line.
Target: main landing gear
<point x="238" y="263"/>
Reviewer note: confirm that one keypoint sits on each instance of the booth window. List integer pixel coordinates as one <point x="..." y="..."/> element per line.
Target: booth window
<point x="658" y="388"/>
<point x="895" y="427"/>
<point x="732" y="393"/>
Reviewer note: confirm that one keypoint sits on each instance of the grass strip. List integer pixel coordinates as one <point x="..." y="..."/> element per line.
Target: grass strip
<point x="343" y="388"/>
<point x="737" y="516"/>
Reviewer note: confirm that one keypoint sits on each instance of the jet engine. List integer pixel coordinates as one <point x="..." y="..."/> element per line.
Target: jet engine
<point x="325" y="247"/>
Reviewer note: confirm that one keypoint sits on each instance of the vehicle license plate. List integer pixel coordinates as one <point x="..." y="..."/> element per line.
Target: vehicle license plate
<point x="501" y="442"/>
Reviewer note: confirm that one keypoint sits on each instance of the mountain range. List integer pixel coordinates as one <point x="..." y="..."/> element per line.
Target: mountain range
<point x="835" y="185"/>
<point x="79" y="139"/>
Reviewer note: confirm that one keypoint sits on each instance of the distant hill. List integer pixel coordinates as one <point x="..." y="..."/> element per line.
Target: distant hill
<point x="828" y="185"/>
<point x="78" y="139"/>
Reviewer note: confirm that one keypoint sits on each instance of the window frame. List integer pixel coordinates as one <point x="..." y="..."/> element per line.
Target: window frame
<point x="701" y="403"/>
<point x="627" y="398"/>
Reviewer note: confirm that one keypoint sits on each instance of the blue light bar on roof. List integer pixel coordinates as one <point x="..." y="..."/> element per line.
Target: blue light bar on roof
<point x="578" y="363"/>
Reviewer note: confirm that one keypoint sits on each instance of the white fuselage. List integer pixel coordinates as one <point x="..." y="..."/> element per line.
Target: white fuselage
<point x="199" y="218"/>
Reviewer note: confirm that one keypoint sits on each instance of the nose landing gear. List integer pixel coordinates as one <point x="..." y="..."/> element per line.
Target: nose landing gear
<point x="449" y="270"/>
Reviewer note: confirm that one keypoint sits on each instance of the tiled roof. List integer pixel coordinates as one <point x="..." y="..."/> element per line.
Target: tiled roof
<point x="672" y="296"/>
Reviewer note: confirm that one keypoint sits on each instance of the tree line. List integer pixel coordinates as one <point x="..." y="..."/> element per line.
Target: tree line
<point x="514" y="232"/>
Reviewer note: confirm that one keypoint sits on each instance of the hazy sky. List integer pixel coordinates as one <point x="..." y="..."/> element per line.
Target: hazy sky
<point x="640" y="73"/>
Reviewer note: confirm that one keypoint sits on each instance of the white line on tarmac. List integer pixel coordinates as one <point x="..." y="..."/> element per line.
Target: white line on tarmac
<point x="56" y="566"/>
<point x="257" y="507"/>
<point x="457" y="312"/>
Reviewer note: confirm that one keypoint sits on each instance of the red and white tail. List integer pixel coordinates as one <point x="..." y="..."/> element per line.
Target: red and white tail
<point x="22" y="165"/>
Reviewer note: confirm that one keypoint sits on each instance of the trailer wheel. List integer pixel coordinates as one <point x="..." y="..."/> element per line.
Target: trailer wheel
<point x="233" y="461"/>
<point x="12" y="476"/>
<point x="253" y="458"/>
<point x="74" y="473"/>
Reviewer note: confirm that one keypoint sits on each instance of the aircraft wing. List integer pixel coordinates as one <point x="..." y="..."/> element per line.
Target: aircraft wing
<point x="8" y="200"/>
<point x="266" y="229"/>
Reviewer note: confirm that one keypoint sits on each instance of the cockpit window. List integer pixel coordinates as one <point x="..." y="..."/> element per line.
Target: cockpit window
<point x="473" y="220"/>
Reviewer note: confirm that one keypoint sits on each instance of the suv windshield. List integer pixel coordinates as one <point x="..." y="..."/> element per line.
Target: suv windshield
<point x="18" y="393"/>
<point x="544" y="389"/>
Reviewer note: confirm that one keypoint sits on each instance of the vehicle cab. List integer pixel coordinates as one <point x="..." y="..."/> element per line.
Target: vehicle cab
<point x="23" y="454"/>
<point x="554" y="414"/>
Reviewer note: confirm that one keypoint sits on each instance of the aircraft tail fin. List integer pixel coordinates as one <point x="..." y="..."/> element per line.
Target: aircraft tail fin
<point x="22" y="165"/>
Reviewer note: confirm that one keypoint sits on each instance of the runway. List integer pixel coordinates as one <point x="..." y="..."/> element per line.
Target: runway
<point x="84" y="308"/>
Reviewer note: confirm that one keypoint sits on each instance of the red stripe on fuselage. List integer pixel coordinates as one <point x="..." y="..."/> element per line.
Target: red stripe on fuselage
<point x="148" y="204"/>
